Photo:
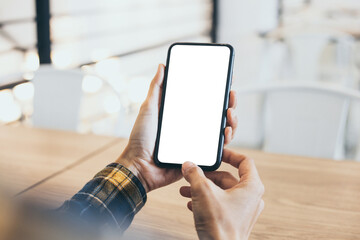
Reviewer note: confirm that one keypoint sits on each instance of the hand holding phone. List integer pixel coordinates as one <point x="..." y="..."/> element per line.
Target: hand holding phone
<point x="138" y="156"/>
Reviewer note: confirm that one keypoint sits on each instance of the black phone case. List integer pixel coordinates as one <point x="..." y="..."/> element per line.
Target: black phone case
<point x="225" y="107"/>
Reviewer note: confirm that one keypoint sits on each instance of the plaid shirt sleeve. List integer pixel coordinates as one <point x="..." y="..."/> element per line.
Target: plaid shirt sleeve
<point x="111" y="198"/>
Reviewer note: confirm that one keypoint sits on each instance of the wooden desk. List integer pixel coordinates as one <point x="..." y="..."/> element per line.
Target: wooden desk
<point x="28" y="156"/>
<point x="305" y="198"/>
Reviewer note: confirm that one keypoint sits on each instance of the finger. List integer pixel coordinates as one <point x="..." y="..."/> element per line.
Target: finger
<point x="224" y="180"/>
<point x="232" y="99"/>
<point x="232" y="120"/>
<point x="185" y="191"/>
<point x="228" y="135"/>
<point x="156" y="85"/>
<point x="232" y="158"/>
<point x="246" y="166"/>
<point x="189" y="205"/>
<point x="192" y="173"/>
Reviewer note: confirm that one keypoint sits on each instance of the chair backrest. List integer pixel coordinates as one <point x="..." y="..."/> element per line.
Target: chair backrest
<point x="57" y="98"/>
<point x="308" y="120"/>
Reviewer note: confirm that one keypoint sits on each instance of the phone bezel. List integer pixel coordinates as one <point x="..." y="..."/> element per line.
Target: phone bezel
<point x="225" y="107"/>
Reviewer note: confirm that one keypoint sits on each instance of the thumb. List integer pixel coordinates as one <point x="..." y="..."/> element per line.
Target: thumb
<point x="156" y="85"/>
<point x="192" y="173"/>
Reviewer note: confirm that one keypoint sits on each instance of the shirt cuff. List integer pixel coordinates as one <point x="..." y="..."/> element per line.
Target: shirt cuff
<point x="113" y="197"/>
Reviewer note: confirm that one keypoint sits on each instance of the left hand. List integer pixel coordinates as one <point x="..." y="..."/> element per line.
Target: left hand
<point x="138" y="154"/>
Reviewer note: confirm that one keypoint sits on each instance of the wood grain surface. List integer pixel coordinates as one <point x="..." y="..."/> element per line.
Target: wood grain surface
<point x="305" y="198"/>
<point x="29" y="155"/>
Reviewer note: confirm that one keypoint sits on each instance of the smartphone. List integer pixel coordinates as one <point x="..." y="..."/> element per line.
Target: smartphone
<point x="194" y="100"/>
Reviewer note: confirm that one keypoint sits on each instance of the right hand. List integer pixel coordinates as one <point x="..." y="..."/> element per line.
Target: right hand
<point x="223" y="206"/>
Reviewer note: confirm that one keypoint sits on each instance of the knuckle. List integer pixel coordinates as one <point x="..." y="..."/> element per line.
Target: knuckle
<point x="258" y="188"/>
<point x="235" y="118"/>
<point x="144" y="105"/>
<point x="192" y="170"/>
<point x="262" y="205"/>
<point x="261" y="189"/>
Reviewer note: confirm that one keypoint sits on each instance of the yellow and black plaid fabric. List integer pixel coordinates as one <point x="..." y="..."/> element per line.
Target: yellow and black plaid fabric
<point x="112" y="197"/>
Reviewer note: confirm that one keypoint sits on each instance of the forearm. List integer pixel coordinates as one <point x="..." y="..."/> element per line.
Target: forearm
<point x="111" y="198"/>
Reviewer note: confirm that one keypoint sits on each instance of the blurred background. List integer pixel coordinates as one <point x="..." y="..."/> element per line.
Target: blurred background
<point x="85" y="66"/>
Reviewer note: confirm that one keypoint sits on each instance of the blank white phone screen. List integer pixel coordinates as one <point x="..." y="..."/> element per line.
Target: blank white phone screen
<point x="193" y="106"/>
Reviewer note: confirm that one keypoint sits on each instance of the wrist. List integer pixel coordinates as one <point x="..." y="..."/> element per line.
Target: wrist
<point x="133" y="165"/>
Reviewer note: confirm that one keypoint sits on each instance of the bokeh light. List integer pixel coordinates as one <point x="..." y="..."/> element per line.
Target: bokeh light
<point x="31" y="61"/>
<point x="24" y="91"/>
<point x="9" y="109"/>
<point x="91" y="84"/>
<point x="108" y="68"/>
<point x="28" y="76"/>
<point x="61" y="59"/>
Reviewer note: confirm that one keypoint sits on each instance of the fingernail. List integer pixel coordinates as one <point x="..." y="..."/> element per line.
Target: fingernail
<point x="187" y="165"/>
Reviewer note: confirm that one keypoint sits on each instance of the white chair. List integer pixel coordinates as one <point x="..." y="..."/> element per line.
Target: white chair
<point x="305" y="119"/>
<point x="57" y="98"/>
